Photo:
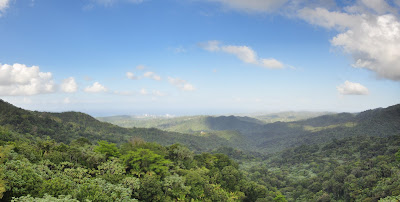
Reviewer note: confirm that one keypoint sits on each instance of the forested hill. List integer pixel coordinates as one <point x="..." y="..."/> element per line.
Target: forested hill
<point x="205" y="133"/>
<point x="272" y="137"/>
<point x="68" y="126"/>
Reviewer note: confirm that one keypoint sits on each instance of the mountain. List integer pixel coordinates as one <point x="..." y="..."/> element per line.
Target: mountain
<point x="205" y="133"/>
<point x="68" y="126"/>
<point x="256" y="135"/>
<point x="335" y="157"/>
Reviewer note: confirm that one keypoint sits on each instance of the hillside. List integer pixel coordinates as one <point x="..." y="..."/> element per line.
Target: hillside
<point x="339" y="157"/>
<point x="272" y="137"/>
<point x="206" y="133"/>
<point x="68" y="126"/>
<point x="190" y="124"/>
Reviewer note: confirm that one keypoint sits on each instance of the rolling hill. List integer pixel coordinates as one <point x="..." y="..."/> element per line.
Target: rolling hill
<point x="272" y="137"/>
<point x="206" y="133"/>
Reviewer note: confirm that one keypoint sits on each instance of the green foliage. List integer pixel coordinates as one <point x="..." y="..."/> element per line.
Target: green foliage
<point x="174" y="186"/>
<point x="50" y="157"/>
<point x="112" y="171"/>
<point x="3" y="154"/>
<point x="46" y="198"/>
<point x="22" y="178"/>
<point x="144" y="161"/>
<point x="350" y="169"/>
<point x="150" y="189"/>
<point x="390" y="199"/>
<point x="280" y="198"/>
<point x="108" y="149"/>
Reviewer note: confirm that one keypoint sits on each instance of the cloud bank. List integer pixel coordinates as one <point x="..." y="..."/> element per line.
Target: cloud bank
<point x="19" y="79"/>
<point x="367" y="30"/>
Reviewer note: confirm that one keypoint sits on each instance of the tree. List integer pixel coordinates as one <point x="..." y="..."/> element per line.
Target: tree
<point x="144" y="161"/>
<point x="174" y="186"/>
<point x="150" y="189"/>
<point x="109" y="149"/>
<point x="3" y="152"/>
<point x="280" y="198"/>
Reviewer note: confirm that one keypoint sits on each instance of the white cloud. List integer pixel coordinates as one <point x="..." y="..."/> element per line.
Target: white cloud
<point x="244" y="53"/>
<point x="323" y="17"/>
<point x="379" y="6"/>
<point x="372" y="40"/>
<point x="188" y="87"/>
<point x="181" y="84"/>
<point x="152" y="75"/>
<point x="369" y="30"/>
<point x="131" y="75"/>
<point x="95" y="88"/>
<point x="69" y="85"/>
<point x="271" y="63"/>
<point x="18" y="79"/>
<point x="3" y="6"/>
<point x="350" y="88"/>
<point x="252" y="5"/>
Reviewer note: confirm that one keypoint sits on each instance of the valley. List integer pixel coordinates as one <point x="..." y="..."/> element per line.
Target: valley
<point x="333" y="157"/>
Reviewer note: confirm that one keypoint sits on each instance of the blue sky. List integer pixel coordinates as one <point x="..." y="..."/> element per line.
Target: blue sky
<point x="185" y="57"/>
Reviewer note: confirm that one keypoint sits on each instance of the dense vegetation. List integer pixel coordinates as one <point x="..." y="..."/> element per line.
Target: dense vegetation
<point x="351" y="169"/>
<point x="42" y="169"/>
<point x="68" y="126"/>
<point x="251" y="134"/>
<point x="73" y="157"/>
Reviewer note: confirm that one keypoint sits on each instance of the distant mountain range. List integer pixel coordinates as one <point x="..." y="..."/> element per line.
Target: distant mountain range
<point x="204" y="133"/>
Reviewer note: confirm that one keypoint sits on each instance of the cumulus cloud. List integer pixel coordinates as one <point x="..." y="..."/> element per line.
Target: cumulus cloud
<point x="131" y="75"/>
<point x="244" y="53"/>
<point x="367" y="31"/>
<point x="18" y="79"/>
<point x="69" y="85"/>
<point x="181" y="84"/>
<point x="152" y="75"/>
<point x="350" y="88"/>
<point x="3" y="6"/>
<point x="96" y="87"/>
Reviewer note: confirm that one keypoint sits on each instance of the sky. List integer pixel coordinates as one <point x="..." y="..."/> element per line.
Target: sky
<point x="189" y="57"/>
